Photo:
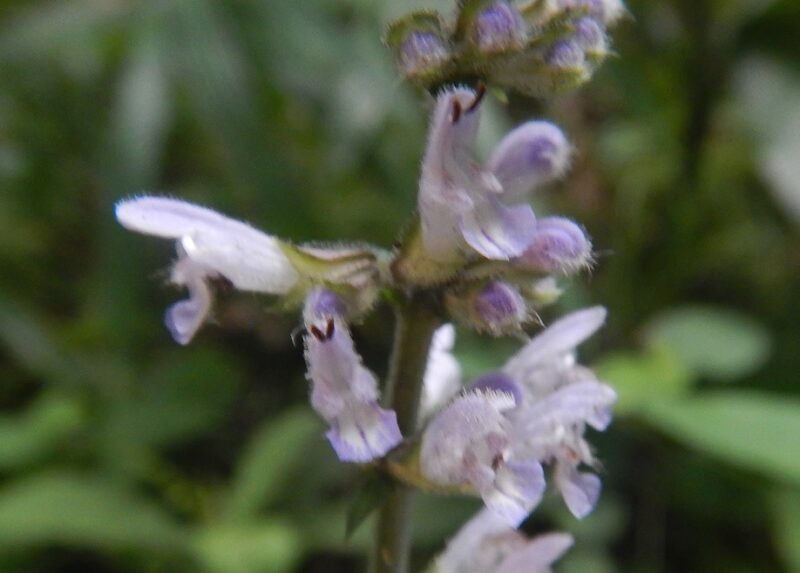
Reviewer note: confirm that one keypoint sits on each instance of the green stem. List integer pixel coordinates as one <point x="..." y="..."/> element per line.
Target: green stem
<point x="416" y="322"/>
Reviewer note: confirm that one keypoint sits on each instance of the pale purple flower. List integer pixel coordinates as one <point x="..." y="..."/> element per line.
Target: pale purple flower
<point x="463" y="205"/>
<point x="487" y="544"/>
<point x="209" y="246"/>
<point x="535" y="411"/>
<point x="442" y="379"/>
<point x="469" y="443"/>
<point x="498" y="27"/>
<point x="344" y="392"/>
<point x="559" y="246"/>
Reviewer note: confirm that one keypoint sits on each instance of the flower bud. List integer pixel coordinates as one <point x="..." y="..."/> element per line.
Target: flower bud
<point x="566" y="54"/>
<point x="560" y="245"/>
<point x="498" y="28"/>
<point x="499" y="308"/>
<point x="590" y="36"/>
<point x="422" y="52"/>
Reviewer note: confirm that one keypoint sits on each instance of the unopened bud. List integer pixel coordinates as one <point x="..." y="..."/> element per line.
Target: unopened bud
<point x="422" y="52"/>
<point x="498" y="28"/>
<point x="499" y="308"/>
<point x="591" y="36"/>
<point x="560" y="245"/>
<point x="566" y="54"/>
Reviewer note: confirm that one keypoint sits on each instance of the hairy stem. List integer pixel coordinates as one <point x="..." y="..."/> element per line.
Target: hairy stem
<point x="416" y="322"/>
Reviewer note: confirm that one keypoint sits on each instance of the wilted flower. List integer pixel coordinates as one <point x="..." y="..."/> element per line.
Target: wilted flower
<point x="209" y="246"/>
<point x="344" y="392"/>
<point x="487" y="544"/>
<point x="462" y="204"/>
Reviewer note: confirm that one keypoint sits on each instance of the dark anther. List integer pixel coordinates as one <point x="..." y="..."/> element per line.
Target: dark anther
<point x="329" y="328"/>
<point x="323" y="336"/>
<point x="480" y="91"/>
<point x="318" y="334"/>
<point x="297" y="334"/>
<point x="456" y="112"/>
<point x="496" y="461"/>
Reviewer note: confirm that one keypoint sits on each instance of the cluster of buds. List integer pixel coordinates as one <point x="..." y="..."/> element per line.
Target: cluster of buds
<point x="480" y="256"/>
<point x="538" y="47"/>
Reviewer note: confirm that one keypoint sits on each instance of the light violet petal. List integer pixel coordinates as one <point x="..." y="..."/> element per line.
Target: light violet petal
<point x="480" y="545"/>
<point x="498" y="382"/>
<point x="560" y="338"/>
<point x="517" y="490"/>
<point x="465" y="438"/>
<point x="449" y="173"/>
<point x="578" y="403"/>
<point x="537" y="555"/>
<point x="534" y="153"/>
<point x="560" y="245"/>
<point x="364" y="433"/>
<point x="580" y="490"/>
<point x="248" y="258"/>
<point x="497" y="231"/>
<point x="183" y="319"/>
<point x="442" y="378"/>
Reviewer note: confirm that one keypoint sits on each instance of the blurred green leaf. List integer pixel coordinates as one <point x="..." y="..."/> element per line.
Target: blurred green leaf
<point x="32" y="434"/>
<point x="259" y="547"/>
<point x="84" y="511"/>
<point x="786" y="508"/>
<point x="712" y="342"/>
<point x="369" y="495"/>
<point x="753" y="430"/>
<point x="187" y="393"/>
<point x="273" y="454"/>
<point x="654" y="374"/>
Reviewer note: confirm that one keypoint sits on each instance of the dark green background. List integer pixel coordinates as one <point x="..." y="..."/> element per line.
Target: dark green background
<point x="123" y="452"/>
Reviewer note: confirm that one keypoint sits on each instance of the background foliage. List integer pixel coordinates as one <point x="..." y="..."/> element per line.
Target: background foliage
<point x="122" y="452"/>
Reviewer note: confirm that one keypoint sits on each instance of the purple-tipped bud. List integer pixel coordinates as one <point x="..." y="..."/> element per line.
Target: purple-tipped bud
<point x="499" y="308"/>
<point x="560" y="245"/>
<point x="422" y="52"/>
<point x="566" y="54"/>
<point x="498" y="382"/>
<point x="531" y="155"/>
<point x="590" y="35"/>
<point x="499" y="28"/>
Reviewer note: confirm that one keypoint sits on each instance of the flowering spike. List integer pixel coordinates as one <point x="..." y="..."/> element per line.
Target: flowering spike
<point x="560" y="246"/>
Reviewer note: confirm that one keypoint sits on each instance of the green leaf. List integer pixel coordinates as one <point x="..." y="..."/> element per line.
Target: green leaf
<point x="712" y="342"/>
<point x="750" y="429"/>
<point x="277" y="449"/>
<point x="77" y="510"/>
<point x="655" y="374"/>
<point x="368" y="497"/>
<point x="261" y="547"/>
<point x="786" y="507"/>
<point x="31" y="435"/>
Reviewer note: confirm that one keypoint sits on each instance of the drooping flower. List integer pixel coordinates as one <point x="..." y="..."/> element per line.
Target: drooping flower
<point x="209" y="246"/>
<point x="535" y="411"/>
<point x="465" y="206"/>
<point x="487" y="544"/>
<point x="344" y="392"/>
